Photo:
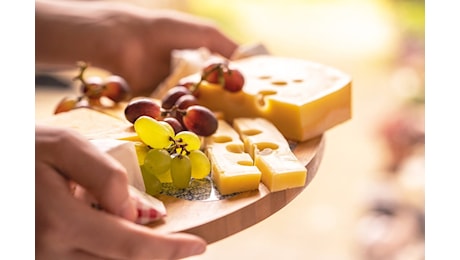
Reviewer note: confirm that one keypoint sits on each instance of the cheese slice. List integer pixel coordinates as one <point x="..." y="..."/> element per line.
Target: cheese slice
<point x="93" y="124"/>
<point x="271" y="153"/>
<point x="301" y="98"/>
<point x="232" y="170"/>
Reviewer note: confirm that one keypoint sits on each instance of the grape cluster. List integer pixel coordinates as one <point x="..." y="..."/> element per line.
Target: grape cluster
<point x="184" y="114"/>
<point x="218" y="72"/>
<point x="221" y="73"/>
<point x="167" y="157"/>
<point x="93" y="90"/>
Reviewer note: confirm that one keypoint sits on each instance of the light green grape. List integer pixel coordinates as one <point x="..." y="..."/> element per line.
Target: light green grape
<point x="152" y="133"/>
<point x="151" y="183"/>
<point x="165" y="177"/>
<point x="141" y="151"/>
<point x="181" y="171"/>
<point x="189" y="138"/>
<point x="201" y="166"/>
<point x="157" y="161"/>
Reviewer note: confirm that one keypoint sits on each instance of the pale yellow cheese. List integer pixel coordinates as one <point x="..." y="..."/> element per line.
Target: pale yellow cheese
<point x="233" y="170"/>
<point x="271" y="153"/>
<point x="302" y="98"/>
<point x="93" y="124"/>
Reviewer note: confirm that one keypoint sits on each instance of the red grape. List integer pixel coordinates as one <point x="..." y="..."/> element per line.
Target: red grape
<point x="115" y="88"/>
<point x="185" y="101"/>
<point x="142" y="106"/>
<point x="175" y="123"/>
<point x="92" y="87"/>
<point x="173" y="94"/>
<point x="66" y="104"/>
<point x="213" y="73"/>
<point x="200" y="120"/>
<point x="233" y="80"/>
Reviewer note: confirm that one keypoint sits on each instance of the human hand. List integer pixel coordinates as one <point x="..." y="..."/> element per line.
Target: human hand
<point x="122" y="38"/>
<point x="148" y="39"/>
<point x="68" y="228"/>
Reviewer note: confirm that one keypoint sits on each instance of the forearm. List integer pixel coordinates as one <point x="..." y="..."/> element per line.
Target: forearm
<point x="67" y="31"/>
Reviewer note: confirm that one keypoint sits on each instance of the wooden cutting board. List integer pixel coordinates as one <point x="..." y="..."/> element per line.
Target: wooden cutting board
<point x="215" y="219"/>
<point x="211" y="218"/>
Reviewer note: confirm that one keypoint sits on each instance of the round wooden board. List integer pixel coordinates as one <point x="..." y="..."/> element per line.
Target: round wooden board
<point x="217" y="219"/>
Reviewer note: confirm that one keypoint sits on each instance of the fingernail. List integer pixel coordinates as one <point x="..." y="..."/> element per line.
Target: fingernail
<point x="199" y="248"/>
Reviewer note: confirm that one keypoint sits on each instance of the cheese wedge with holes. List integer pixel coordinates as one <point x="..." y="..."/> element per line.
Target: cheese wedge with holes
<point x="301" y="98"/>
<point x="271" y="153"/>
<point x="233" y="170"/>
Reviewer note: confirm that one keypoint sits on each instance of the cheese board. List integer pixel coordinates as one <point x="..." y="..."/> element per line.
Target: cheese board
<point x="214" y="219"/>
<point x="211" y="216"/>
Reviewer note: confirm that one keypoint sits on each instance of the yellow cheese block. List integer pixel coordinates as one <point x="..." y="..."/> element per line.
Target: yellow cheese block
<point x="302" y="98"/>
<point x="233" y="170"/>
<point x="93" y="124"/>
<point x="271" y="153"/>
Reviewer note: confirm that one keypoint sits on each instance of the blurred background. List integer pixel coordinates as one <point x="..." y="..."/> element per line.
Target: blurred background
<point x="367" y="201"/>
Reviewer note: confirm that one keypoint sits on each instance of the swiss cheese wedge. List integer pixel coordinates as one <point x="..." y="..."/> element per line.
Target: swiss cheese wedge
<point x="233" y="169"/>
<point x="301" y="98"/>
<point x="271" y="153"/>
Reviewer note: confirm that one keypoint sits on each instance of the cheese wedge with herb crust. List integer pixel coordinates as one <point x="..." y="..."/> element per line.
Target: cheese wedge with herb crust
<point x="271" y="154"/>
<point x="301" y="98"/>
<point x="233" y="169"/>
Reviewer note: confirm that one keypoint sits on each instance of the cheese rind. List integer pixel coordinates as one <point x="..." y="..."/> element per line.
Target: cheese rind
<point x="125" y="153"/>
<point x="271" y="153"/>
<point x="233" y="170"/>
<point x="301" y="98"/>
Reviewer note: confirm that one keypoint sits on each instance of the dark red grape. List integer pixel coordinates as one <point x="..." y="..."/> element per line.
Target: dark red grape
<point x="92" y="87"/>
<point x="173" y="94"/>
<point x="186" y="100"/>
<point x="233" y="80"/>
<point x="115" y="88"/>
<point x="142" y="106"/>
<point x="175" y="123"/>
<point x="200" y="120"/>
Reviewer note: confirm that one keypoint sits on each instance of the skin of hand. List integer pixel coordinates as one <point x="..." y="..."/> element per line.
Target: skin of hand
<point x="68" y="228"/>
<point x="126" y="40"/>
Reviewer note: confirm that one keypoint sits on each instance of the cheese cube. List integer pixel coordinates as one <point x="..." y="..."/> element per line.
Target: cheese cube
<point x="271" y="153"/>
<point x="233" y="170"/>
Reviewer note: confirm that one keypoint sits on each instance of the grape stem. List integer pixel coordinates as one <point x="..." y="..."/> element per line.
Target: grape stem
<point x="218" y="67"/>
<point x="82" y="66"/>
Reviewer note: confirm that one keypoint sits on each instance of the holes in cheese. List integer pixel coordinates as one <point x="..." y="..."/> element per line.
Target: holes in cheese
<point x="301" y="98"/>
<point x="271" y="154"/>
<point x="232" y="169"/>
<point x="252" y="151"/>
<point x="262" y="95"/>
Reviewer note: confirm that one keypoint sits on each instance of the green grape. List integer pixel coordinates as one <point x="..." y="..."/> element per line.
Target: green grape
<point x="141" y="151"/>
<point x="152" y="133"/>
<point x="201" y="166"/>
<point x="189" y="138"/>
<point x="165" y="177"/>
<point x="151" y="183"/>
<point x="181" y="171"/>
<point x="157" y="161"/>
